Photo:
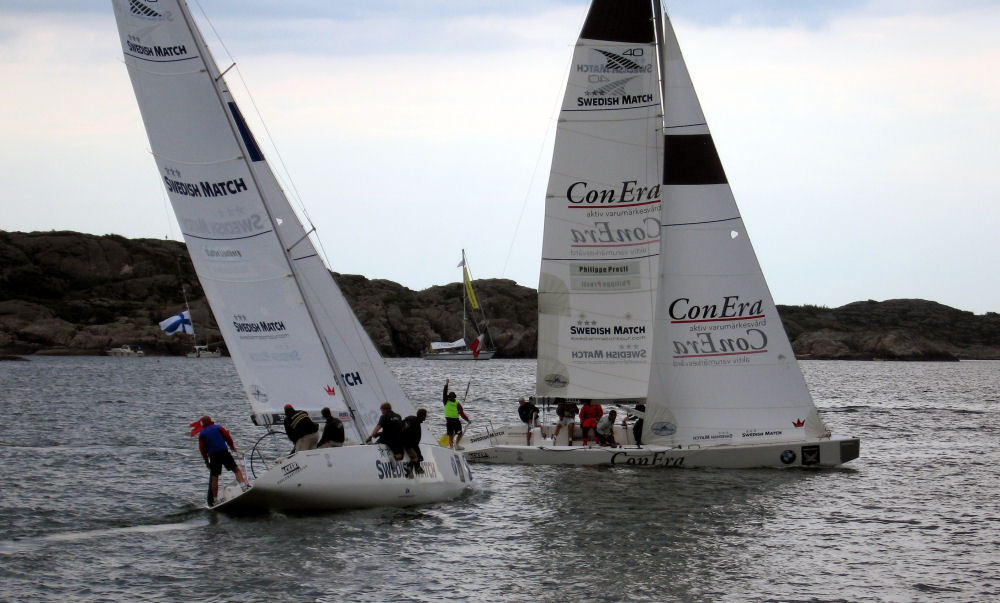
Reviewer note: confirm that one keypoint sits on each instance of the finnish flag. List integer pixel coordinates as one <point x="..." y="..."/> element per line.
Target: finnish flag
<point x="178" y="323"/>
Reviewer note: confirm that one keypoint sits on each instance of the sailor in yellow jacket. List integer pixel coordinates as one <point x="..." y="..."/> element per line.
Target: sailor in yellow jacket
<point x="452" y="411"/>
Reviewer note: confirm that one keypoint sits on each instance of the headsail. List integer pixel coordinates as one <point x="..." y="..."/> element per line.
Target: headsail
<point x="723" y="368"/>
<point x="288" y="328"/>
<point x="602" y="213"/>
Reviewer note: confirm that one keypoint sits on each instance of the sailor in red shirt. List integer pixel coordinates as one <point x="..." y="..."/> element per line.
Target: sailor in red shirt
<point x="590" y="414"/>
<point x="215" y="442"/>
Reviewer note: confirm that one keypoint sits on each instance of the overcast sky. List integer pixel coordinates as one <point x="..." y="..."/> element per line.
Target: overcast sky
<point x="862" y="139"/>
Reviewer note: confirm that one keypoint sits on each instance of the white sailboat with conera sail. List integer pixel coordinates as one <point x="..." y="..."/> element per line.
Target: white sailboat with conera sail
<point x="481" y="347"/>
<point x="639" y="211"/>
<point x="290" y="332"/>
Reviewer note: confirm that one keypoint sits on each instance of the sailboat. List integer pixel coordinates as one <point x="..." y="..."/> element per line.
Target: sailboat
<point x="481" y="347"/>
<point x="650" y="292"/>
<point x="291" y="334"/>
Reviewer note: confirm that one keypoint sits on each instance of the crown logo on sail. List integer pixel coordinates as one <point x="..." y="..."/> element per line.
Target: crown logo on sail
<point x="798" y="422"/>
<point x="329" y="390"/>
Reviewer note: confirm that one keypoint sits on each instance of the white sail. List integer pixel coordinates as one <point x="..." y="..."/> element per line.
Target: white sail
<point x="449" y="345"/>
<point x="723" y="369"/>
<point x="596" y="290"/>
<point x="291" y="334"/>
<point x="722" y="387"/>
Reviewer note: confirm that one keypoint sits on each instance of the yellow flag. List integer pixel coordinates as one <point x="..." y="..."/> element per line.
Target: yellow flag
<point x="469" y="293"/>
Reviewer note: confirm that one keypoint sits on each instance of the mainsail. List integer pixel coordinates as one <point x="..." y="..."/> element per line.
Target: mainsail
<point x="291" y="334"/>
<point x="723" y="369"/>
<point x="600" y="249"/>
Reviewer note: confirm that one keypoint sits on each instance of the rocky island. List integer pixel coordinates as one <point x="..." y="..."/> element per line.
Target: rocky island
<point x="74" y="293"/>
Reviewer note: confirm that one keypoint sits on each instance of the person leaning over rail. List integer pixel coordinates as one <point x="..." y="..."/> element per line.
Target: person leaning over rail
<point x="214" y="442"/>
<point x="390" y="430"/>
<point x="412" y="430"/>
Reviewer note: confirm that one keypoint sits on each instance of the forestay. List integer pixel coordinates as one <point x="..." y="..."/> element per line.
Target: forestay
<point x="602" y="213"/>
<point x="291" y="333"/>
<point x="724" y="371"/>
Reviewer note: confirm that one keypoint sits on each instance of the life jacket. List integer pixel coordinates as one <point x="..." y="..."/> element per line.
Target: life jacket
<point x="451" y="409"/>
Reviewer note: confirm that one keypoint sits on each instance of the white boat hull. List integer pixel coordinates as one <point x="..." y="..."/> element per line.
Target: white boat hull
<point x="126" y="352"/>
<point x="485" y="355"/>
<point x="350" y="477"/>
<point x="507" y="445"/>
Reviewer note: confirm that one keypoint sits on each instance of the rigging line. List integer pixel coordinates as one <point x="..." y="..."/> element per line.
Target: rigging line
<point x="198" y="163"/>
<point x="701" y="222"/>
<point x="274" y="146"/>
<point x="260" y="117"/>
<point x="686" y="125"/>
<point x="225" y="72"/>
<point x="302" y="238"/>
<point x="527" y="196"/>
<point x="553" y="118"/>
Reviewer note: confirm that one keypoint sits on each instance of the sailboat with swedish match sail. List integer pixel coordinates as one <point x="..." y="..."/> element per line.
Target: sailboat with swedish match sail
<point x="686" y="326"/>
<point x="290" y="332"/>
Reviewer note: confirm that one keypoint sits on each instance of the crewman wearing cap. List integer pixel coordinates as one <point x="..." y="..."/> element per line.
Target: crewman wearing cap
<point x="300" y="429"/>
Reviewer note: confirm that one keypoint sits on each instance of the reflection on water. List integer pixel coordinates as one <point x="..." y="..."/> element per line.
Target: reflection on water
<point x="102" y="495"/>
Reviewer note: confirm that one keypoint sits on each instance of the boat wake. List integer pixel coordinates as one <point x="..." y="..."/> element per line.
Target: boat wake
<point x="187" y="520"/>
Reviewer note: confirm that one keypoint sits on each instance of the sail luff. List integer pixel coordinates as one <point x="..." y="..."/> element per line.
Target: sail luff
<point x="292" y="336"/>
<point x="600" y="244"/>
<point x="244" y="137"/>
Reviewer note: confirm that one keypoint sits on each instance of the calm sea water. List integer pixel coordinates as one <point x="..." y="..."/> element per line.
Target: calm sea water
<point x="101" y="499"/>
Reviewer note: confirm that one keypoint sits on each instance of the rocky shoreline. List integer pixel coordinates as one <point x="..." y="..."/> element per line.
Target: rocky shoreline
<point x="65" y="293"/>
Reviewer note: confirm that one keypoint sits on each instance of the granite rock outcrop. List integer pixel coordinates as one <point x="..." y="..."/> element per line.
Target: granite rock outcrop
<point x="73" y="293"/>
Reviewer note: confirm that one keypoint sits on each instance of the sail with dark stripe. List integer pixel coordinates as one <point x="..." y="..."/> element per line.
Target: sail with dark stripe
<point x="723" y="369"/>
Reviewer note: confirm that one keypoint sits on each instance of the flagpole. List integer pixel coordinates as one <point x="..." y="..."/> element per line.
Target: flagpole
<point x="194" y="340"/>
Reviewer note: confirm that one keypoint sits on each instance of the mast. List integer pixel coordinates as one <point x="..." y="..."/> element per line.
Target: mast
<point x="180" y="279"/>
<point x="465" y="295"/>
<point x="661" y="59"/>
<point x="213" y="71"/>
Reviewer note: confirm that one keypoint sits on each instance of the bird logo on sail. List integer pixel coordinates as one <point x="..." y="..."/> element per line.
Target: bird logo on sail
<point x="556" y="381"/>
<point x="142" y="9"/>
